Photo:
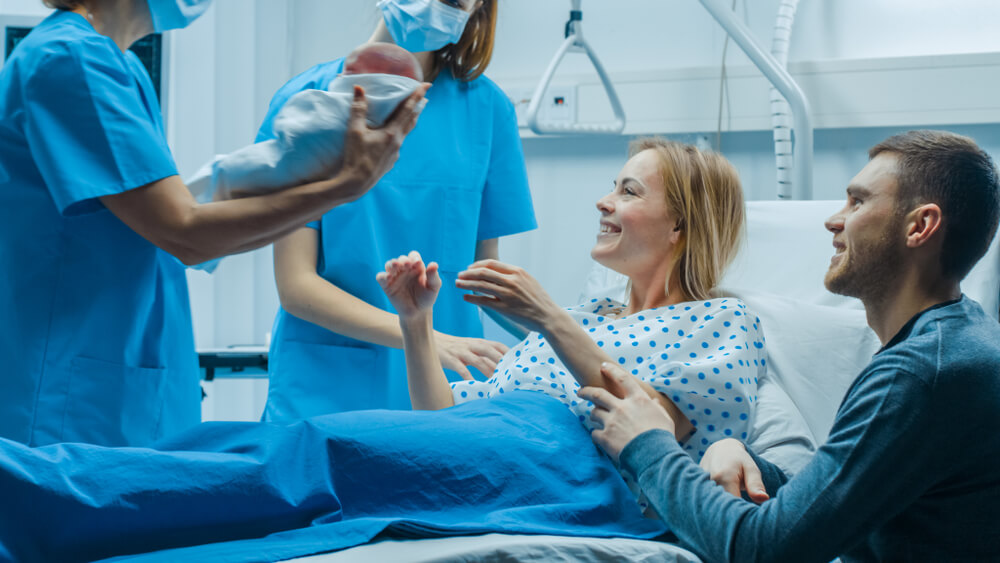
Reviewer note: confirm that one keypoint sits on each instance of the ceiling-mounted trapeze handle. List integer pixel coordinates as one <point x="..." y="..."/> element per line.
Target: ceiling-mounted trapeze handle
<point x="575" y="42"/>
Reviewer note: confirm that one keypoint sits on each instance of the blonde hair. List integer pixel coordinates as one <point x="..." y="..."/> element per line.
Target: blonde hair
<point x="468" y="59"/>
<point x="704" y="190"/>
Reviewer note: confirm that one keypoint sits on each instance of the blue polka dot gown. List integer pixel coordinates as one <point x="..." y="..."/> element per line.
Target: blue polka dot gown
<point x="706" y="356"/>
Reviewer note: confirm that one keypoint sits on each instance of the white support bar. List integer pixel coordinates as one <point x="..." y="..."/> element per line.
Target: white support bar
<point x="781" y="80"/>
<point x="575" y="42"/>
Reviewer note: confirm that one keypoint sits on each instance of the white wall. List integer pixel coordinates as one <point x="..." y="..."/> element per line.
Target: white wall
<point x="641" y="35"/>
<point x="568" y="176"/>
<point x="23" y="8"/>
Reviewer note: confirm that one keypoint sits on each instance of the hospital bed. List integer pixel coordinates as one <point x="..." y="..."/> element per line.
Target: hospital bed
<point x="817" y="343"/>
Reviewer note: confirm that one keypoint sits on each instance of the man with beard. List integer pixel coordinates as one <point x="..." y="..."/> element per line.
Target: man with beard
<point x="911" y="469"/>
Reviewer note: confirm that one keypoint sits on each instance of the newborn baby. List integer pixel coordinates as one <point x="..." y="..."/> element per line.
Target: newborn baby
<point x="309" y="130"/>
<point x="383" y="58"/>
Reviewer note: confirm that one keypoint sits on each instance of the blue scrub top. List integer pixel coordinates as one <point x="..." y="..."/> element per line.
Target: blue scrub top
<point x="460" y="178"/>
<point x="98" y="344"/>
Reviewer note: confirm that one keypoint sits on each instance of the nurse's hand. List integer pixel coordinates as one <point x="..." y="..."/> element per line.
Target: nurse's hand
<point x="371" y="152"/>
<point x="509" y="290"/>
<point x="410" y="286"/>
<point x="456" y="353"/>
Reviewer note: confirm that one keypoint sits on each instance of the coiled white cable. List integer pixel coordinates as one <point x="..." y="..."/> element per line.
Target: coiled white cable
<point x="781" y="113"/>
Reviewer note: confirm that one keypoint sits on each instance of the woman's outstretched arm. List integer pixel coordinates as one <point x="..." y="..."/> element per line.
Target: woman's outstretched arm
<point x="514" y="293"/>
<point x="412" y="289"/>
<point x="307" y="295"/>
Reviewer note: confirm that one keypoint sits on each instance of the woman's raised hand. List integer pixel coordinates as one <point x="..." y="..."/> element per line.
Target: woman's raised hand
<point x="411" y="287"/>
<point x="509" y="290"/>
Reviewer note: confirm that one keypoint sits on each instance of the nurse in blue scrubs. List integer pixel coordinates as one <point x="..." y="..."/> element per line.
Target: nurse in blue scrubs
<point x="96" y="226"/>
<point x="459" y="185"/>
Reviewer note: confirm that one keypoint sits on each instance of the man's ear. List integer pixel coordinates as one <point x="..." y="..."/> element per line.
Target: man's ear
<point x="922" y="224"/>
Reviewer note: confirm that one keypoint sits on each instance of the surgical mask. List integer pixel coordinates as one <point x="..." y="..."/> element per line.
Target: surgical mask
<point x="175" y="14"/>
<point x="423" y="25"/>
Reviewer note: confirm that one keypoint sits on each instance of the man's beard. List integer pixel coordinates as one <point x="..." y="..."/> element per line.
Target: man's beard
<point x="868" y="267"/>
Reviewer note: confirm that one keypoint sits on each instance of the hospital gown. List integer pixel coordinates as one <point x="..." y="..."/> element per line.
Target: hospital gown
<point x="706" y="356"/>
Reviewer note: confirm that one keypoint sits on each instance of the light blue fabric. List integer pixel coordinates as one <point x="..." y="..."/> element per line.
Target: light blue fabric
<point x="175" y="14"/>
<point x="460" y="178"/>
<point x="267" y="492"/>
<point x="423" y="25"/>
<point x="97" y="342"/>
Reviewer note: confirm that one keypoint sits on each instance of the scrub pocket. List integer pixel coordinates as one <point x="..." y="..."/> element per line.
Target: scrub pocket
<point x="113" y="404"/>
<point x="315" y="379"/>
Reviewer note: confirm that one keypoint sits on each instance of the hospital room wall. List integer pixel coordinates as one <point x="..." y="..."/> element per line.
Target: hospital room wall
<point x="568" y="175"/>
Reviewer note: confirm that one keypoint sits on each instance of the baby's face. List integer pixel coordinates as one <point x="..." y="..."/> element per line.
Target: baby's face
<point x="382" y="58"/>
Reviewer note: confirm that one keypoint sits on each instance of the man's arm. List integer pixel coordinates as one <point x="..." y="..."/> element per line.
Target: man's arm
<point x="854" y="484"/>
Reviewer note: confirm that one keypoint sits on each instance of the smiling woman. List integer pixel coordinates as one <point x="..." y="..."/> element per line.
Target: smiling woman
<point x="672" y="224"/>
<point x="700" y="196"/>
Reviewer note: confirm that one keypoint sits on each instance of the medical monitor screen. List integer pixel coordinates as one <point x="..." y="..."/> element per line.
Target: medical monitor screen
<point x="149" y="50"/>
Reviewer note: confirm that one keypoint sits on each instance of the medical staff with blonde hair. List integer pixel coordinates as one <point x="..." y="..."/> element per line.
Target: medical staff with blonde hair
<point x="460" y="183"/>
<point x="96" y="226"/>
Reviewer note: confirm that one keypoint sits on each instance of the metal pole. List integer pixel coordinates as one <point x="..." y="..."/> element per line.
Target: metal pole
<point x="780" y="79"/>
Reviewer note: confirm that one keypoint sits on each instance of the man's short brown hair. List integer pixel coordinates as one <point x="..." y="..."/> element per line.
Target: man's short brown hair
<point x="953" y="172"/>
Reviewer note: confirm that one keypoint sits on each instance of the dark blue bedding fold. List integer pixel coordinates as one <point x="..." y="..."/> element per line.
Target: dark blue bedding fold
<point x="520" y="463"/>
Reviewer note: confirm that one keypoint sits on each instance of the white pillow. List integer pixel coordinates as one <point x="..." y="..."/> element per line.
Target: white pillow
<point x="814" y="352"/>
<point x="778" y="433"/>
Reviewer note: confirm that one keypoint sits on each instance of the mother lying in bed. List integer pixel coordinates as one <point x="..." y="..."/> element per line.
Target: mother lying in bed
<point x="516" y="463"/>
<point x="671" y="224"/>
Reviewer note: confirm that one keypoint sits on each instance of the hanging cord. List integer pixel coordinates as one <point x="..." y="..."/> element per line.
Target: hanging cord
<point x="723" y="89"/>
<point x="781" y="112"/>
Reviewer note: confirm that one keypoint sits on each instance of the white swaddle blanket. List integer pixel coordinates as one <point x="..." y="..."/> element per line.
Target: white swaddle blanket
<point x="309" y="138"/>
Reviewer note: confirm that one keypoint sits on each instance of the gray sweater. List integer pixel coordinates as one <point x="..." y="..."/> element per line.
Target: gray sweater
<point x="911" y="470"/>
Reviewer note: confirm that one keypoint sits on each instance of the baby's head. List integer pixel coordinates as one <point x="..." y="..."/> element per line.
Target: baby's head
<point x="383" y="58"/>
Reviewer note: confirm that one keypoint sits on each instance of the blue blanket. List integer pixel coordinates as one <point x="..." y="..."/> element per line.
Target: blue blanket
<point x="520" y="463"/>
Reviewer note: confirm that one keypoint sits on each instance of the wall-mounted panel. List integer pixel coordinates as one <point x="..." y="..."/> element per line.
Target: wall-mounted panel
<point x="911" y="91"/>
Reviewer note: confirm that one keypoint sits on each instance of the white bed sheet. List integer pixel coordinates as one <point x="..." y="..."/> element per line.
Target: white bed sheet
<point x="494" y="548"/>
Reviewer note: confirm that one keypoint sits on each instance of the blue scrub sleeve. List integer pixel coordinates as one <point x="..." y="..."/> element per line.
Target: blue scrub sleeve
<point x="317" y="77"/>
<point x="278" y="101"/>
<point x="506" y="206"/>
<point x="89" y="129"/>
